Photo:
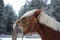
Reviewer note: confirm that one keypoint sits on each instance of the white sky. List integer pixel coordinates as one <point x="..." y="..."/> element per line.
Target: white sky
<point x="49" y="1"/>
<point x="16" y="4"/>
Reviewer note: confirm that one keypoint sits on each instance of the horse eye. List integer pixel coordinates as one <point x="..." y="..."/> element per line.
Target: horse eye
<point x="23" y="21"/>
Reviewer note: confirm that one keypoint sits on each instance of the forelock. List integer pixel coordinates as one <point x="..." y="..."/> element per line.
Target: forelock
<point x="29" y="13"/>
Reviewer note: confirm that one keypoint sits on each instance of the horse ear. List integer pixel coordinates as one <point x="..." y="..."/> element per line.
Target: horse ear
<point x="37" y="12"/>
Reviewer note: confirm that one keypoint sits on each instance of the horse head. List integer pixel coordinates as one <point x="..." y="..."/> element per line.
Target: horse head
<point x="29" y="21"/>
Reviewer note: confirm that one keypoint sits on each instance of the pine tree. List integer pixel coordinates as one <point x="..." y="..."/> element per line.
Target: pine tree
<point x="10" y="18"/>
<point x="30" y="5"/>
<point x="54" y="9"/>
<point x="1" y="16"/>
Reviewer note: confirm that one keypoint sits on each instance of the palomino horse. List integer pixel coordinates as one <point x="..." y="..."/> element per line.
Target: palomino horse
<point x="36" y="21"/>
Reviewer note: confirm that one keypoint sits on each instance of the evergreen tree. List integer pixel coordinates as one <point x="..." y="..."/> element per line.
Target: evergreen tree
<point x="1" y="16"/>
<point x="54" y="9"/>
<point x="10" y="18"/>
<point x="30" y="5"/>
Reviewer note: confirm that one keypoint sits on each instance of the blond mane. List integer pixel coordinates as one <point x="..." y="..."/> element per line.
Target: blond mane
<point x="48" y="21"/>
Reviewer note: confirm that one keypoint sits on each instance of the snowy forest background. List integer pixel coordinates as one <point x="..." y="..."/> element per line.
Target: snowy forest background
<point x="8" y="16"/>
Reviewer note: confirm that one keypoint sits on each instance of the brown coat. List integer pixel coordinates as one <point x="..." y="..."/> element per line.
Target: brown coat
<point x="33" y="25"/>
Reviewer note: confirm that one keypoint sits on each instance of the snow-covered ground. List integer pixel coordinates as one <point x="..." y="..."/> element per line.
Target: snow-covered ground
<point x="20" y="35"/>
<point x="21" y="38"/>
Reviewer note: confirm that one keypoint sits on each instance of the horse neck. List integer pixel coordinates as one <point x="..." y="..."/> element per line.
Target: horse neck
<point x="40" y="31"/>
<point x="43" y="29"/>
<point x="38" y="27"/>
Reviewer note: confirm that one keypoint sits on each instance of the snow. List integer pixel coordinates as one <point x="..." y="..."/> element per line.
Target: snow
<point x="21" y="38"/>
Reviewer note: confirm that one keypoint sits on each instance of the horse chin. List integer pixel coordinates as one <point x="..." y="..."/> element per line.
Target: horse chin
<point x="27" y="33"/>
<point x="30" y="32"/>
